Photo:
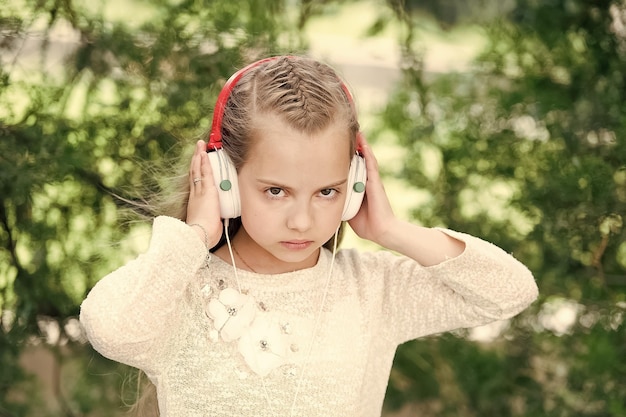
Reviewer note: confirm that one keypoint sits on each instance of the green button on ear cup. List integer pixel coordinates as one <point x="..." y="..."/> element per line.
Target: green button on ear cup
<point x="358" y="187"/>
<point x="225" y="185"/>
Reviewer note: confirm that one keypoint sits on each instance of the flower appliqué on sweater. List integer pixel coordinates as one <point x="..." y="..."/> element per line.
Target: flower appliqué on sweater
<point x="263" y="341"/>
<point x="264" y="346"/>
<point x="232" y="313"/>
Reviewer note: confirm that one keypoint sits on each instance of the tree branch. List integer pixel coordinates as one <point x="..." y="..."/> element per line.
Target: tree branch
<point x="10" y="244"/>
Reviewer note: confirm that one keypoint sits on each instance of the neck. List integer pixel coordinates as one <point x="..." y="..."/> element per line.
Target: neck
<point x="245" y="264"/>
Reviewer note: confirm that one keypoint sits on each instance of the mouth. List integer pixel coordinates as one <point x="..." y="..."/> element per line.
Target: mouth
<point x="296" y="244"/>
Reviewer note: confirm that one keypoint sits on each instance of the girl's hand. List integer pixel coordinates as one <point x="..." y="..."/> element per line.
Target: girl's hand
<point x="375" y="217"/>
<point x="375" y="221"/>
<point x="203" y="207"/>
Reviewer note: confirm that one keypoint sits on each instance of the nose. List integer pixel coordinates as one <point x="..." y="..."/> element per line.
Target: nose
<point x="300" y="217"/>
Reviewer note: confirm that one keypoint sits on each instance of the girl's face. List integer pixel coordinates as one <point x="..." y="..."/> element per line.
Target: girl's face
<point x="293" y="188"/>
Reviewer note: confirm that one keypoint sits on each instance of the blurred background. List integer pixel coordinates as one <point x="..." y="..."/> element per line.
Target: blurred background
<point x="503" y="119"/>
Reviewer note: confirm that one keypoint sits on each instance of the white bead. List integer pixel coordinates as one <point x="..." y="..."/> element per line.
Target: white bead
<point x="206" y="291"/>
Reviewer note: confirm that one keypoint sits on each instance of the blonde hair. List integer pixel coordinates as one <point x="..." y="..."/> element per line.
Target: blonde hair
<point x="306" y="94"/>
<point x="146" y="403"/>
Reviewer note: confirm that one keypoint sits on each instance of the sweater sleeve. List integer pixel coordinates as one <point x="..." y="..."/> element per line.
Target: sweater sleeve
<point x="130" y="310"/>
<point x="481" y="285"/>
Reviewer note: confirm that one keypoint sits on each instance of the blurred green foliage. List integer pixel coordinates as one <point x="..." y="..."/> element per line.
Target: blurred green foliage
<point x="525" y="149"/>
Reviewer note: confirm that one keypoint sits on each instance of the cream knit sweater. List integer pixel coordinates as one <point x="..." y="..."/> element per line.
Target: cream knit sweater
<point x="168" y="314"/>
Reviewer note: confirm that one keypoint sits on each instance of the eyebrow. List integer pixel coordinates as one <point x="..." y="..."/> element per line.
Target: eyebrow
<point x="286" y="187"/>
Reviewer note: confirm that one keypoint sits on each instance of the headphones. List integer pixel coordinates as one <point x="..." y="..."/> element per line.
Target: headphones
<point x="225" y="174"/>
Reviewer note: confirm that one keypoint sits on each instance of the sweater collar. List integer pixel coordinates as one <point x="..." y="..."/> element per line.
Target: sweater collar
<point x="288" y="281"/>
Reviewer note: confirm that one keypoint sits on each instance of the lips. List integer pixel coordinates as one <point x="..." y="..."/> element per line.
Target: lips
<point x="296" y="244"/>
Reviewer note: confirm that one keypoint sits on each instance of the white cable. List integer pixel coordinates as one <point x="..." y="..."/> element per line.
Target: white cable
<point x="230" y="251"/>
<point x="317" y="323"/>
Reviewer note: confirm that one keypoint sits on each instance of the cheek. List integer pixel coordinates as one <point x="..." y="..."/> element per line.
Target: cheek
<point x="257" y="223"/>
<point x="256" y="211"/>
<point x="246" y="194"/>
<point x="329" y="215"/>
<point x="333" y="219"/>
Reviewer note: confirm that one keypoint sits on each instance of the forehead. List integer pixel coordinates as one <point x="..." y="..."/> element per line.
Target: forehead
<point x="281" y="151"/>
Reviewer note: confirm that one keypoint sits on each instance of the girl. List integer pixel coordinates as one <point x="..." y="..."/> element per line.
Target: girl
<point x="261" y="315"/>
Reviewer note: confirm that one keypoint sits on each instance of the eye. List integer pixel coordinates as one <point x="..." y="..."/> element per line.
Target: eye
<point x="329" y="193"/>
<point x="274" y="192"/>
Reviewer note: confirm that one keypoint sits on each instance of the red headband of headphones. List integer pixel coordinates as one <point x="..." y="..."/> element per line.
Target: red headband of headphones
<point x="215" y="136"/>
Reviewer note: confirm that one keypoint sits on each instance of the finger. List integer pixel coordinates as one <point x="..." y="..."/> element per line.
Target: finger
<point x="195" y="168"/>
<point x="192" y="171"/>
<point x="371" y="164"/>
<point x="375" y="188"/>
<point x="366" y="151"/>
<point x="206" y="171"/>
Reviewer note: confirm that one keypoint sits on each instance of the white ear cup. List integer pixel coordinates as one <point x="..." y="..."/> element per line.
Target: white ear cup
<point x="357" y="178"/>
<point x="225" y="178"/>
